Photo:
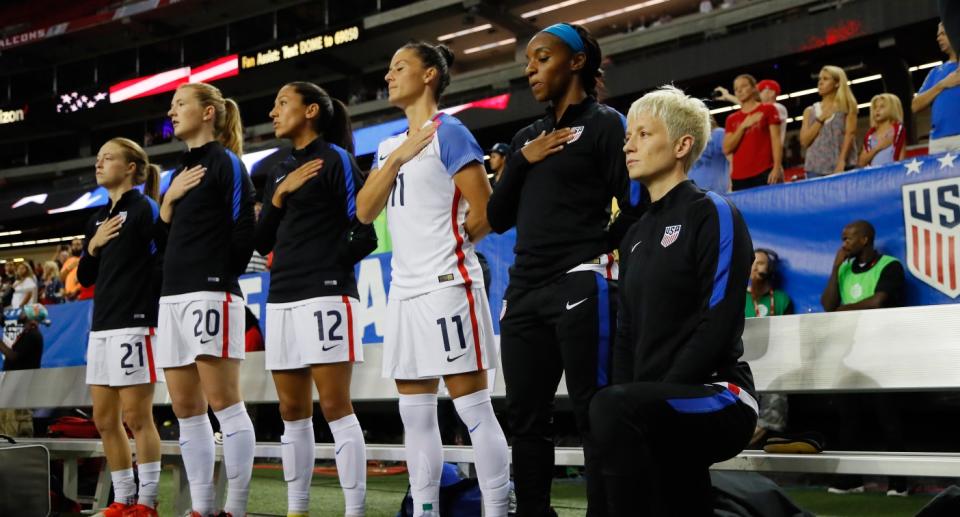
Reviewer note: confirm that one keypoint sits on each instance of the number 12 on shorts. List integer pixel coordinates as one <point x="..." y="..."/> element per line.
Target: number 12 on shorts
<point x="334" y="318"/>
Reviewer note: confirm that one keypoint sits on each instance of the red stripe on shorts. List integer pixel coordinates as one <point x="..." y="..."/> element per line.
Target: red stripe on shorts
<point x="226" y="327"/>
<point x="153" y="370"/>
<point x="467" y="282"/>
<point x="346" y="301"/>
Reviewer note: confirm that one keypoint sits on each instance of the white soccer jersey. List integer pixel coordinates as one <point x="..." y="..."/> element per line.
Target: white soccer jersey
<point x="426" y="213"/>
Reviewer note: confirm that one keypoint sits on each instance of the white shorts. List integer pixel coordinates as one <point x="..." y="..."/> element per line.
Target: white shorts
<point x="200" y="323"/>
<point x="122" y="357"/>
<point x="313" y="331"/>
<point x="443" y="332"/>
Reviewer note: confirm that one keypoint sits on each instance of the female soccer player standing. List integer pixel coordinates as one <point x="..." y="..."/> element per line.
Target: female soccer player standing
<point x="120" y="257"/>
<point x="312" y="334"/>
<point x="434" y="186"/>
<point x="209" y="213"/>
<point x="561" y="175"/>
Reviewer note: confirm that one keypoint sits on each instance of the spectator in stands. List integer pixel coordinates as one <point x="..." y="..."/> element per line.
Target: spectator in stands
<point x="940" y="90"/>
<point x="68" y="272"/>
<point x="52" y="285"/>
<point x="498" y="160"/>
<point x="706" y="6"/>
<point x="61" y="256"/>
<point x="884" y="141"/>
<point x="769" y="91"/>
<point x="25" y="287"/>
<point x="864" y="278"/>
<point x="830" y="126"/>
<point x="753" y="138"/>
<point x="712" y="170"/>
<point x="763" y="299"/>
<point x="258" y="263"/>
<point x="6" y="284"/>
<point x="23" y="348"/>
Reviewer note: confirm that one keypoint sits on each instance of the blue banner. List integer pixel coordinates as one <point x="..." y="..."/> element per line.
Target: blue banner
<point x="802" y="222"/>
<point x="914" y="206"/>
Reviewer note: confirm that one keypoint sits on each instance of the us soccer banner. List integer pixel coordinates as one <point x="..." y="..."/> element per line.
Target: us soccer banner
<point x="914" y="206"/>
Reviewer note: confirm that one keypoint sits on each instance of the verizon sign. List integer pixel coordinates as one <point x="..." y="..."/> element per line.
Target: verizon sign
<point x="11" y="116"/>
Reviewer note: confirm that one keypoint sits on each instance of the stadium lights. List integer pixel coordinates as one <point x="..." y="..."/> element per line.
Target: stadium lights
<point x="551" y="7"/>
<point x="488" y="46"/>
<point x="11" y="232"/>
<point x="617" y="12"/>
<point x="40" y="241"/>
<point x="924" y="67"/>
<point x="464" y="32"/>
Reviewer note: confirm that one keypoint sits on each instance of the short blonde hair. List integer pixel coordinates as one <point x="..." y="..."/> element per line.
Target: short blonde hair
<point x="894" y="107"/>
<point x="681" y="114"/>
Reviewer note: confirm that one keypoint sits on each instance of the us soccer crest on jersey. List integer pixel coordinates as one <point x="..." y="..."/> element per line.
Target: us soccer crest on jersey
<point x="426" y="213"/>
<point x="670" y="235"/>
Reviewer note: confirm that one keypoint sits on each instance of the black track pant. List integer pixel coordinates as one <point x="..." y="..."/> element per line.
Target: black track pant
<point x="564" y="327"/>
<point x="656" y="442"/>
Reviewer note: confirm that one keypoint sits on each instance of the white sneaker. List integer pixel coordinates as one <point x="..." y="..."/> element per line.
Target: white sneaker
<point x="841" y="491"/>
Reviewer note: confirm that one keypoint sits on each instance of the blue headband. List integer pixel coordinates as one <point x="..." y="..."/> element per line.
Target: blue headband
<point x="568" y="34"/>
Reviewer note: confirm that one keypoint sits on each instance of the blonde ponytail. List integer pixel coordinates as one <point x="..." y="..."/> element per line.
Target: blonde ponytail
<point x="146" y="173"/>
<point x="227" y="125"/>
<point x="231" y="134"/>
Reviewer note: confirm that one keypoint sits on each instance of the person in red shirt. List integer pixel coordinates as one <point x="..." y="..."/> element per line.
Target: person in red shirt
<point x="753" y="138"/>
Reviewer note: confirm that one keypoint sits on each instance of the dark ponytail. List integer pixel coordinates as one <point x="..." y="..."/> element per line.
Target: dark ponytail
<point x="334" y="120"/>
<point x="435" y="56"/>
<point x="591" y="76"/>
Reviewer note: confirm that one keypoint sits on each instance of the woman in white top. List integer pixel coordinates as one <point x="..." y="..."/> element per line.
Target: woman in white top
<point x="25" y="288"/>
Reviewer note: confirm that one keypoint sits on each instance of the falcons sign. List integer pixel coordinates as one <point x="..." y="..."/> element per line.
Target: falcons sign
<point x="931" y="217"/>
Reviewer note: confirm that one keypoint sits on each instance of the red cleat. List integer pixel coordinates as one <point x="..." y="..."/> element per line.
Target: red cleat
<point x="140" y="510"/>
<point x="114" y="510"/>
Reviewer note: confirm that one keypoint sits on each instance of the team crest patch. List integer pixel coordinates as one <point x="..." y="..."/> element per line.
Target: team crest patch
<point x="577" y="131"/>
<point x="931" y="223"/>
<point x="670" y="234"/>
<point x="123" y="217"/>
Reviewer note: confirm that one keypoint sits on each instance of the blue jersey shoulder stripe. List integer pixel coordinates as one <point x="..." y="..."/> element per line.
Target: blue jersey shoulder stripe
<point x="237" y="183"/>
<point x="725" y="251"/>
<point x="348" y="180"/>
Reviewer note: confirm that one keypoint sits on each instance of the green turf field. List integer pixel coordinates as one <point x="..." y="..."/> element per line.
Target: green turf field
<point x="268" y="496"/>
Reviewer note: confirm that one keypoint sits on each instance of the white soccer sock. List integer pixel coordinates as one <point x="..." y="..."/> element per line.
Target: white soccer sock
<point x="351" y="462"/>
<point x="298" y="452"/>
<point x="149" y="483"/>
<point x="239" y="441"/>
<point x="197" y="451"/>
<point x="124" y="487"/>
<point x="489" y="449"/>
<point x="424" y="449"/>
